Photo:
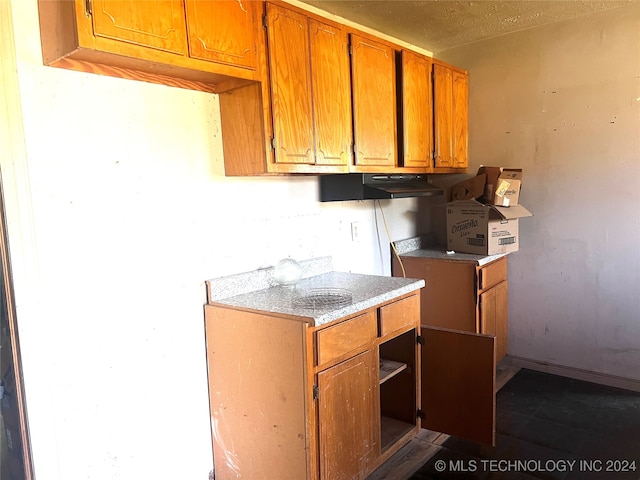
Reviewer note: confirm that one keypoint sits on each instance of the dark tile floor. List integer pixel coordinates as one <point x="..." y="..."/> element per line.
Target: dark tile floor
<point x="550" y="427"/>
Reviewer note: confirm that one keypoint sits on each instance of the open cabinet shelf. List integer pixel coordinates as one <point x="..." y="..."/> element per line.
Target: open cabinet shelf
<point x="390" y="368"/>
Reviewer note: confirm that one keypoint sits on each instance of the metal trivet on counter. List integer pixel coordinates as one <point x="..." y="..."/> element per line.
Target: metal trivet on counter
<point x="317" y="298"/>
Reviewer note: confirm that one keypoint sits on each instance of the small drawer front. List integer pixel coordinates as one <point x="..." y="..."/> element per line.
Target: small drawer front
<point x="400" y="314"/>
<point x="492" y="274"/>
<point x="350" y="335"/>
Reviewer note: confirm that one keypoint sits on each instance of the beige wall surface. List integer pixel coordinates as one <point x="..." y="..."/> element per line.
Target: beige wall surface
<point x="118" y="212"/>
<point x="563" y="102"/>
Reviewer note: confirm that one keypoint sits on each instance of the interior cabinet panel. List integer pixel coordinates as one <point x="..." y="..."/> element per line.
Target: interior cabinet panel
<point x="458" y="384"/>
<point x="290" y="70"/>
<point x="158" y="24"/>
<point x="224" y="31"/>
<point x="349" y="430"/>
<point x="374" y="102"/>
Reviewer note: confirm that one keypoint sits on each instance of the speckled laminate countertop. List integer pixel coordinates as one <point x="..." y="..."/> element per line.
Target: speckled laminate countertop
<point x="366" y="291"/>
<point x="419" y="247"/>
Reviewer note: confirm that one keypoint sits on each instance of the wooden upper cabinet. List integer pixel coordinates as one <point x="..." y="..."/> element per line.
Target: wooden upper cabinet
<point x="451" y="116"/>
<point x="207" y="45"/>
<point x="290" y="71"/>
<point x="460" y="119"/>
<point x="374" y="103"/>
<point x="417" y="111"/>
<point x="443" y="116"/>
<point x="310" y="90"/>
<point x="157" y="24"/>
<point x="224" y="31"/>
<point x="331" y="93"/>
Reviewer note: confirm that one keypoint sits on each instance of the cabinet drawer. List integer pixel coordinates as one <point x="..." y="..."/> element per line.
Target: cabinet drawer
<point x="396" y="315"/>
<point x="350" y="335"/>
<point x="492" y="274"/>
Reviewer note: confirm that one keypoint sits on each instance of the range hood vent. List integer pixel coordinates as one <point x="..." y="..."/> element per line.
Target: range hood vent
<point x="371" y="186"/>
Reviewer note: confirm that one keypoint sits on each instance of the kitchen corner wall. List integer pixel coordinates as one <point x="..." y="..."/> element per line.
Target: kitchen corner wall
<point x="118" y="211"/>
<point x="563" y="102"/>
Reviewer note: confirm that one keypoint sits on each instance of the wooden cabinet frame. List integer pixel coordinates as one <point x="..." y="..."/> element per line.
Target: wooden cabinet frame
<point x="119" y="39"/>
<point x="289" y="400"/>
<point x="464" y="324"/>
<point x="450" y="116"/>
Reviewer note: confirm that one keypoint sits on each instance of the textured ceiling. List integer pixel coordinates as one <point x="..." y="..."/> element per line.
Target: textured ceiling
<point x="437" y="25"/>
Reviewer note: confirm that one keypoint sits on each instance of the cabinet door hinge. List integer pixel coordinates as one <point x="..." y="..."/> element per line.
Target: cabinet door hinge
<point x="420" y="414"/>
<point x="87" y="8"/>
<point x="265" y="21"/>
<point x="273" y="143"/>
<point x="316" y="392"/>
<point x="420" y="339"/>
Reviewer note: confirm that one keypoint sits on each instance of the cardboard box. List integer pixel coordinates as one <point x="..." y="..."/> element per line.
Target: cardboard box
<point x="472" y="188"/>
<point x="502" y="186"/>
<point x="483" y="229"/>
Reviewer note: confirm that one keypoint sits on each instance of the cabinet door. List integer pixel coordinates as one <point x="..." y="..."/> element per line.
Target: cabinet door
<point x="349" y="418"/>
<point x="157" y="24"/>
<point x="493" y="307"/>
<point x="290" y="70"/>
<point x="374" y="102"/>
<point x="417" y="110"/>
<point x="460" y="119"/>
<point x="224" y="31"/>
<point x="443" y="115"/>
<point x="331" y="93"/>
<point x="458" y="384"/>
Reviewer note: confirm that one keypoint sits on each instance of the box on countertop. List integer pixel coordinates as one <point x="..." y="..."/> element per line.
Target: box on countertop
<point x="491" y="185"/>
<point x="483" y="229"/>
<point x="502" y="186"/>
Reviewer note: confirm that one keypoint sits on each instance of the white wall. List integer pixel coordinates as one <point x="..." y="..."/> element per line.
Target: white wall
<point x="563" y="102"/>
<point x="118" y="211"/>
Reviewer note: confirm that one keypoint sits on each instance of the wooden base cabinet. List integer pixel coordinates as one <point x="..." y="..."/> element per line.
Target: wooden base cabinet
<point x="464" y="327"/>
<point x="293" y="401"/>
<point x="462" y="295"/>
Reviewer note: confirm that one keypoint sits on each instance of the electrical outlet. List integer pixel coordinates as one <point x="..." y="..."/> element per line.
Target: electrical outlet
<point x="355" y="231"/>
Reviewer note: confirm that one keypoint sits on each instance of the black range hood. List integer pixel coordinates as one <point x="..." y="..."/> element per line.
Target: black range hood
<point x="371" y="186"/>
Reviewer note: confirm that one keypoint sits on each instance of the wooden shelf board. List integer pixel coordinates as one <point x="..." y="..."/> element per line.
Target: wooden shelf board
<point x="389" y="368"/>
